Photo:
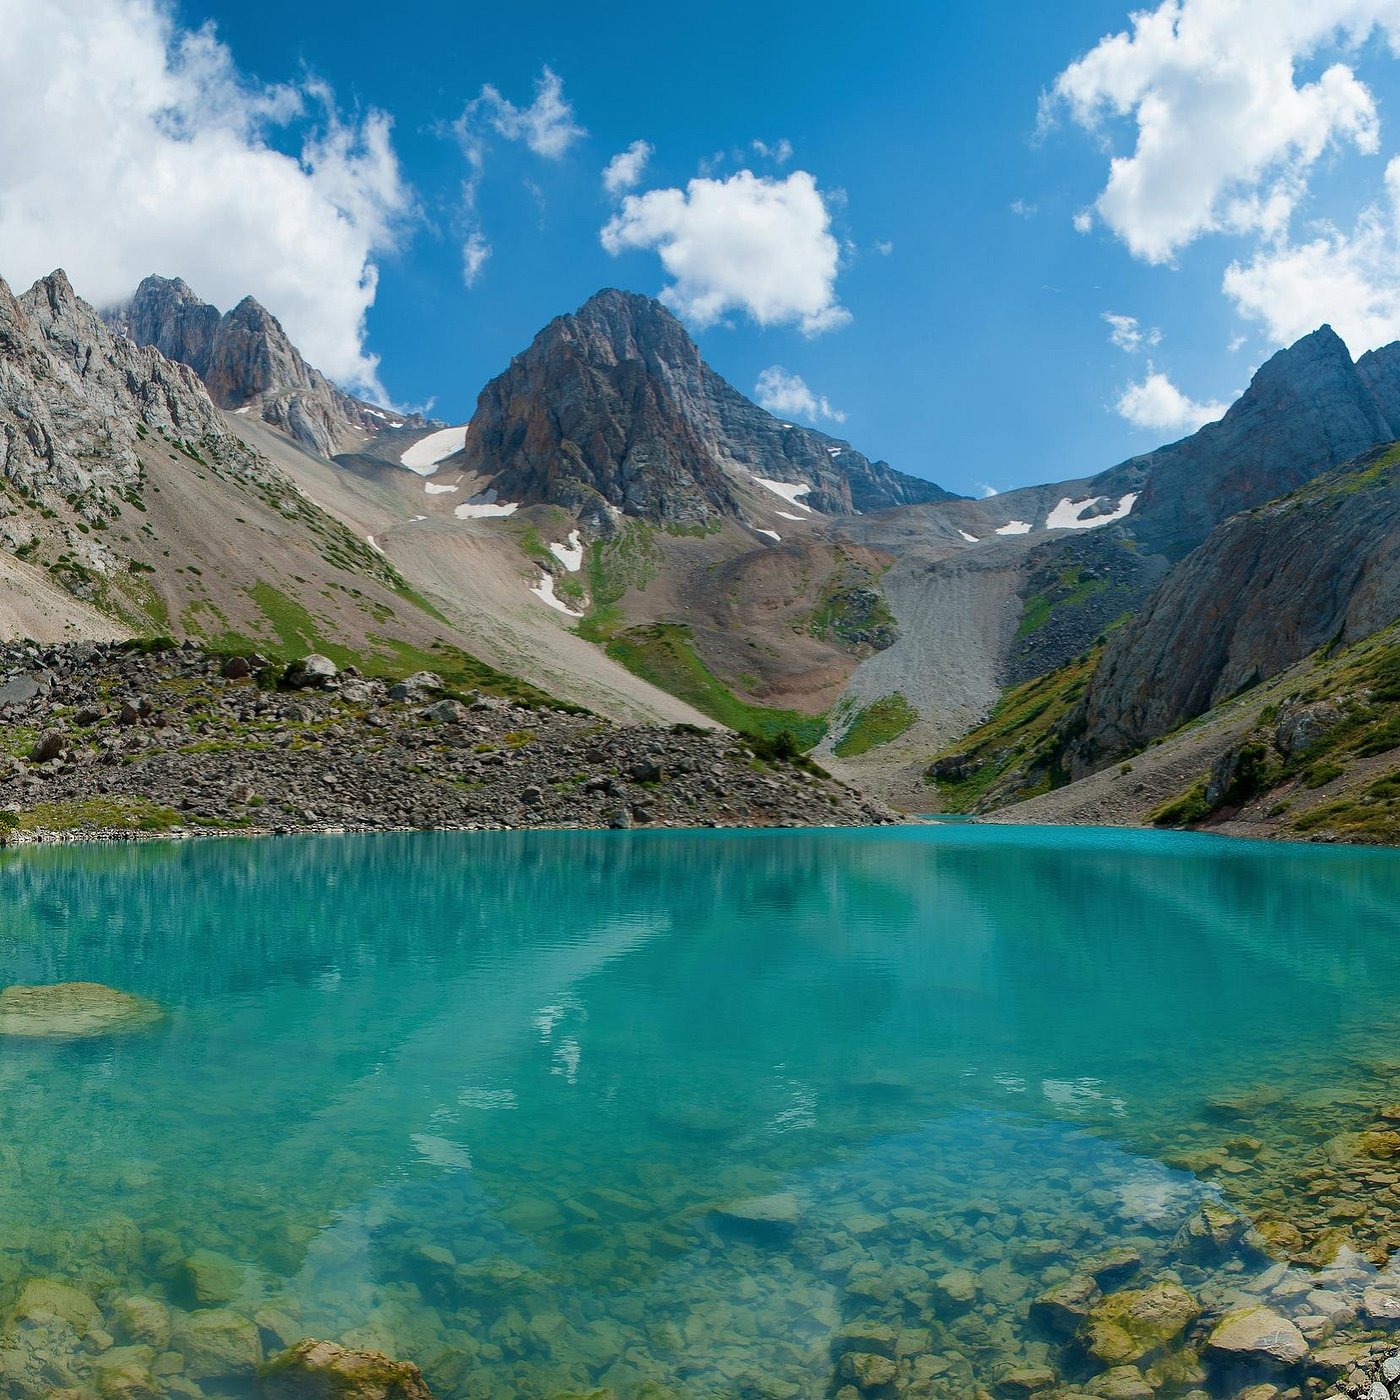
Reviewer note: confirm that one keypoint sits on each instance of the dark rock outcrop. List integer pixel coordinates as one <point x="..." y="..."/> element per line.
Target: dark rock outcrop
<point x="613" y="406"/>
<point x="1266" y="589"/>
<point x="247" y="361"/>
<point x="1307" y="410"/>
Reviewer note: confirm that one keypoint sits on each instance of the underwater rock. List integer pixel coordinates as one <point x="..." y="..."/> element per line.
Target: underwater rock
<point x="1127" y="1326"/>
<point x="1120" y="1383"/>
<point x="956" y="1291"/>
<point x="774" y="1216"/>
<point x="47" y="1300"/>
<point x="1063" y="1307"/>
<point x="1215" y="1230"/>
<point x="313" y="1370"/>
<point x="218" y="1343"/>
<point x="71" y="1010"/>
<point x="1379" y="1308"/>
<point x="213" y="1278"/>
<point x="1349" y="1149"/>
<point x="867" y="1369"/>
<point x="143" y="1320"/>
<point x="1256" y="1335"/>
<point x="124" y="1373"/>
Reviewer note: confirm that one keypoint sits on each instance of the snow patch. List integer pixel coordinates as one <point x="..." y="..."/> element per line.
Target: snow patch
<point x="485" y="510"/>
<point x="1069" y="515"/>
<point x="788" y="490"/>
<point x="772" y="534"/>
<point x="787" y="515"/>
<point x="414" y="519"/>
<point x="372" y="544"/>
<point x="244" y="409"/>
<point x="544" y="591"/>
<point x="570" y="555"/>
<point x="433" y="489"/>
<point x="1015" y="527"/>
<point x="971" y="539"/>
<point x="424" y="455"/>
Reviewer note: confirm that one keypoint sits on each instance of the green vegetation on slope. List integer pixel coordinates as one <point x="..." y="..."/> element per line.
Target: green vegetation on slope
<point x="1020" y="742"/>
<point x="664" y="654"/>
<point x="853" y="611"/>
<point x="878" y="723"/>
<point x="614" y="566"/>
<point x="1075" y="585"/>
<point x="1362" y="687"/>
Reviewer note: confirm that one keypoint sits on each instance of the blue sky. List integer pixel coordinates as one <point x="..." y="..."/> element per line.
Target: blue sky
<point x="925" y="276"/>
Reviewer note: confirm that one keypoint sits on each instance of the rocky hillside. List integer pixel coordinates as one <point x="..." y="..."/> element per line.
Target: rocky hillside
<point x="120" y="740"/>
<point x="1071" y="562"/>
<point x="1250" y="671"/>
<point x="613" y="409"/>
<point x="124" y="490"/>
<point x="1267" y="588"/>
<point x="248" y="365"/>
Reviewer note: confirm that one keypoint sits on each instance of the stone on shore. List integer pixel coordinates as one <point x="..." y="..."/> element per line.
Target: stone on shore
<point x="71" y="1010"/>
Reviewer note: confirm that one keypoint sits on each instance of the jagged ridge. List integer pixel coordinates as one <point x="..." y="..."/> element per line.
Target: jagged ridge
<point x="613" y="406"/>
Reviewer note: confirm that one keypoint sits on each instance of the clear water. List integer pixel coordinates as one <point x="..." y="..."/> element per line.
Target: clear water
<point x="475" y="1098"/>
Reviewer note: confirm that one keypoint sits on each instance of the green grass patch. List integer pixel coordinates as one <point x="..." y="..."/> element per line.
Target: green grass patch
<point x="98" y="814"/>
<point x="1020" y="742"/>
<point x="664" y="654"/>
<point x="1190" y="806"/>
<point x="878" y="723"/>
<point x="1072" y="589"/>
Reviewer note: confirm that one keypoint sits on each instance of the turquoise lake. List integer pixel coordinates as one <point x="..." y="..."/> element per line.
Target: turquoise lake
<point x="499" y="1103"/>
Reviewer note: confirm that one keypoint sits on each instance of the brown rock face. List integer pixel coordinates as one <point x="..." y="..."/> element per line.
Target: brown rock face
<point x="613" y="406"/>
<point x="246" y="360"/>
<point x="313" y="1370"/>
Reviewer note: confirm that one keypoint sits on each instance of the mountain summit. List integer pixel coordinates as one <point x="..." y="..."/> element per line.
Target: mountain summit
<point x="613" y="407"/>
<point x="248" y="362"/>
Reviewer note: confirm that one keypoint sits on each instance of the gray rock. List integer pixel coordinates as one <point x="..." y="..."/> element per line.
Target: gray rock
<point x="49" y="745"/>
<point x="311" y="672"/>
<point x="20" y="690"/>
<point x="1256" y="1335"/>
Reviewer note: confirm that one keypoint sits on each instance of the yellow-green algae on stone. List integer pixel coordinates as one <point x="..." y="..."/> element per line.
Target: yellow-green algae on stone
<point x="71" y="1010"/>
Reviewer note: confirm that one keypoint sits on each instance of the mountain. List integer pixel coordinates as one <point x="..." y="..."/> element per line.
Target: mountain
<point x="247" y="363"/>
<point x="612" y="408"/>
<point x="1307" y="409"/>
<point x="1026" y="582"/>
<point x="1320" y="567"/>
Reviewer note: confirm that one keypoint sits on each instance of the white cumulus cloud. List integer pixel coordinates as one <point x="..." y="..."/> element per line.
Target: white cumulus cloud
<point x="1157" y="404"/>
<point x="788" y="396"/>
<point x="745" y="243"/>
<point x="1350" y="279"/>
<point x="130" y="146"/>
<point x="624" y="171"/>
<point x="1226" y="134"/>
<point x="1129" y="334"/>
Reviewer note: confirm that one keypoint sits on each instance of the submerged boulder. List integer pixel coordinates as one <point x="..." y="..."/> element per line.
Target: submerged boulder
<point x="72" y="1010"/>
<point x="1125" y="1327"/>
<point x="49" y="1301"/>
<point x="1258" y="1336"/>
<point x="313" y="1370"/>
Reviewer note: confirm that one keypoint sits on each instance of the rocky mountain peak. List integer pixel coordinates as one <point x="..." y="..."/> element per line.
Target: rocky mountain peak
<point x="1307" y="409"/>
<point x="247" y="361"/>
<point x="613" y="408"/>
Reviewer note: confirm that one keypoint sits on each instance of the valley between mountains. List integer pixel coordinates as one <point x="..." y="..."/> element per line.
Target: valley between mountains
<point x="1203" y="635"/>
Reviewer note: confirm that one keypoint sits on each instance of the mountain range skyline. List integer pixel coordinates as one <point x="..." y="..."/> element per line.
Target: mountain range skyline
<point x="880" y="260"/>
